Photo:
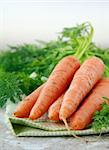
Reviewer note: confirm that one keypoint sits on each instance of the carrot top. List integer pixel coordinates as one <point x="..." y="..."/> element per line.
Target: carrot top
<point x="101" y="118"/>
<point x="85" y="42"/>
<point x="40" y="58"/>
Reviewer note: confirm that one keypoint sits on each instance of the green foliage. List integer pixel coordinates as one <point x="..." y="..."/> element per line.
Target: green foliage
<point x="27" y="84"/>
<point x="9" y="88"/>
<point x="101" y="118"/>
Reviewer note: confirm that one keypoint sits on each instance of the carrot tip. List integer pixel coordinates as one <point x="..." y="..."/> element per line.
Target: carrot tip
<point x="31" y="117"/>
<point x="15" y="114"/>
<point x="66" y="124"/>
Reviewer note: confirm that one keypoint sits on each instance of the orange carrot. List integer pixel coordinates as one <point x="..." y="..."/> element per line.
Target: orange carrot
<point x="56" y="84"/>
<point x="84" y="79"/>
<point x="24" y="107"/>
<point x="83" y="116"/>
<point x="53" y="113"/>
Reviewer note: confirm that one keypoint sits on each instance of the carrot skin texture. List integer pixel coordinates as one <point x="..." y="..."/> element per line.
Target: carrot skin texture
<point x="84" y="79"/>
<point x="56" y="84"/>
<point x="84" y="115"/>
<point x="24" y="107"/>
<point x="53" y="112"/>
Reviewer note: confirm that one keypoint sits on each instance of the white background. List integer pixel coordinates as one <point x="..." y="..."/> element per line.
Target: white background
<point x="24" y="21"/>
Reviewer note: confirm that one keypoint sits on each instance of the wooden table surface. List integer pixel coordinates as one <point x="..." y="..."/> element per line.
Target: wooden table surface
<point x="9" y="142"/>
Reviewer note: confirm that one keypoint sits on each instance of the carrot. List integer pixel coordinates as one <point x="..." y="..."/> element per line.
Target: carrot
<point x="56" y="84"/>
<point x="53" y="112"/>
<point x="83" y="116"/>
<point x="84" y="79"/>
<point x="24" y="107"/>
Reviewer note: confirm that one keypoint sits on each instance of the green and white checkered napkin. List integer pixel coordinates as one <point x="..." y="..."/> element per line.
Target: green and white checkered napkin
<point x="25" y="127"/>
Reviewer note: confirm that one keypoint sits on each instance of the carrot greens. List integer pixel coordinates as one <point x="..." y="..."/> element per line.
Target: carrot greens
<point x="25" y="66"/>
<point x="101" y="118"/>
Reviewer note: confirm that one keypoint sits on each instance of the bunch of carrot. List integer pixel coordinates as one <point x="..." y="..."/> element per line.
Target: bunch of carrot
<point x="72" y="93"/>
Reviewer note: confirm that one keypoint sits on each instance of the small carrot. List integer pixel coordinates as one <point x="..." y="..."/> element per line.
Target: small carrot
<point x="83" y="116"/>
<point x="24" y="107"/>
<point x="56" y="84"/>
<point x="84" y="79"/>
<point x="53" y="112"/>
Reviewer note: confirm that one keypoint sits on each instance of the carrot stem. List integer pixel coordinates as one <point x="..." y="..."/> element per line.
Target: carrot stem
<point x="84" y="46"/>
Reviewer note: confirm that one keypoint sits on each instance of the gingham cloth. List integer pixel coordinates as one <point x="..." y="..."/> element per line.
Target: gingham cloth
<point x="26" y="127"/>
